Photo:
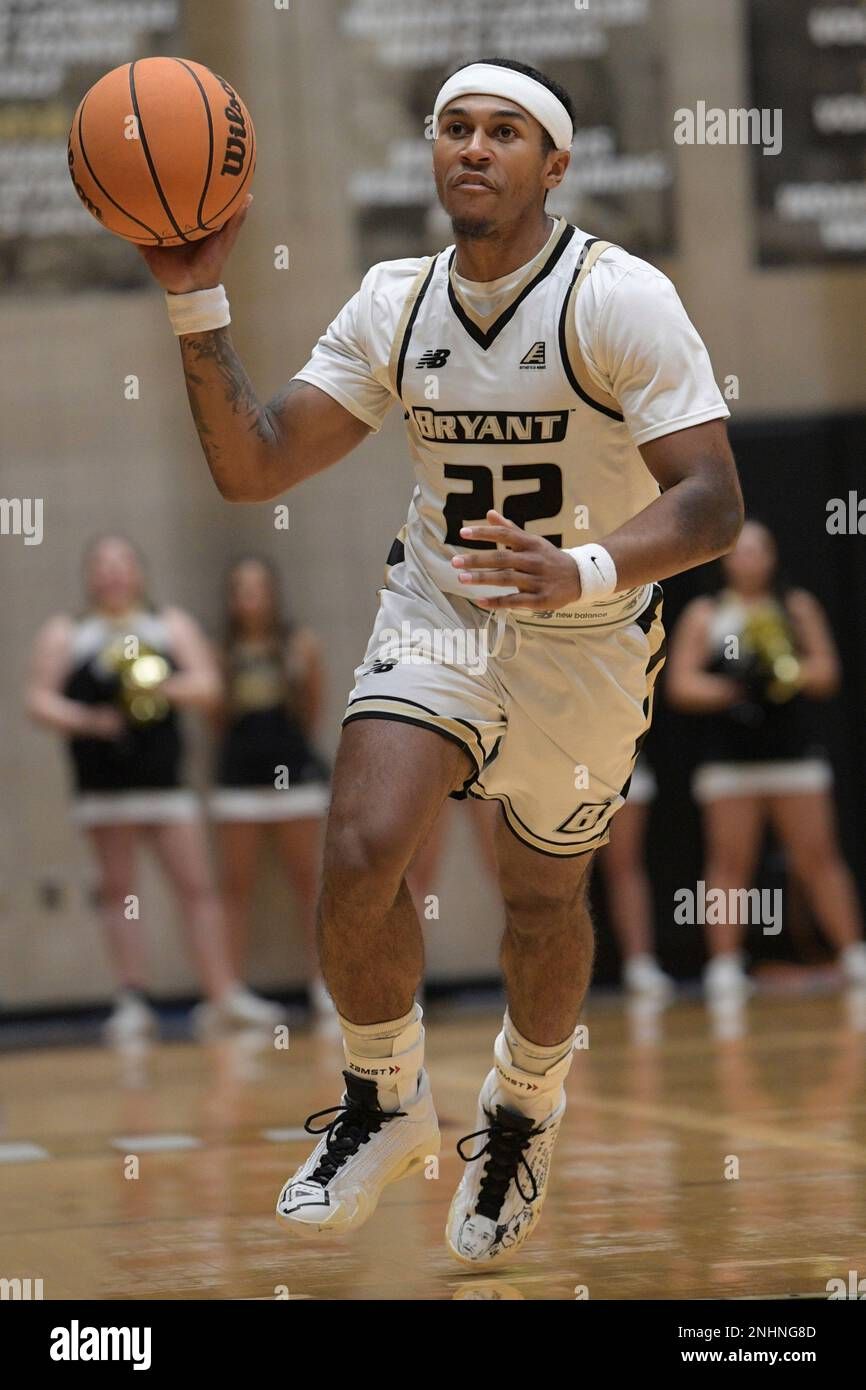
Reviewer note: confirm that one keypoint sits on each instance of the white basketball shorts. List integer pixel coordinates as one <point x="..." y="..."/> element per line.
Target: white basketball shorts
<point x="552" y="724"/>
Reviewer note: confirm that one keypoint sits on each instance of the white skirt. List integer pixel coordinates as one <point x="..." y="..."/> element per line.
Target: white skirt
<point x="643" y="786"/>
<point x="260" y="804"/>
<point x="148" y="807"/>
<point x="712" y="781"/>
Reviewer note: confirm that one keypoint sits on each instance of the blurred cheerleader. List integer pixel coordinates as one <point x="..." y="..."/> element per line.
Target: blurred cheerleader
<point x="752" y="660"/>
<point x="112" y="682"/>
<point x="629" y="893"/>
<point x="270" y="774"/>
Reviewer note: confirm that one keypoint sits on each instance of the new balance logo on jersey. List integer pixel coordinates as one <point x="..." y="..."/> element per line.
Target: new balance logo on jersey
<point x="434" y="357"/>
<point x="493" y="427"/>
<point x="534" y="359"/>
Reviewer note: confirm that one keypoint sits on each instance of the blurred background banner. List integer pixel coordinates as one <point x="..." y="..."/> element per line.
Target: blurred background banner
<point x="767" y="250"/>
<point x="806" y="60"/>
<point x="49" y="55"/>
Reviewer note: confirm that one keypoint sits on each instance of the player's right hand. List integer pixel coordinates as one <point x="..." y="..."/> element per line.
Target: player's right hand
<point x="198" y="266"/>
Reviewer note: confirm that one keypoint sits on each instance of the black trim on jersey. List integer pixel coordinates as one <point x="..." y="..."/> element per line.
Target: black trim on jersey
<point x="563" y="350"/>
<point x="484" y="340"/>
<point x="397" y="553"/>
<point x="401" y="361"/>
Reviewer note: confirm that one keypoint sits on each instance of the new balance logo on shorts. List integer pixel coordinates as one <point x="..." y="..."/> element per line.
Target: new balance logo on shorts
<point x="434" y="357"/>
<point x="534" y="358"/>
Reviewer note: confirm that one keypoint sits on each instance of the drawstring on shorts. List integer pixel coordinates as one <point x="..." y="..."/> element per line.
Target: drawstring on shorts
<point x="504" y="618"/>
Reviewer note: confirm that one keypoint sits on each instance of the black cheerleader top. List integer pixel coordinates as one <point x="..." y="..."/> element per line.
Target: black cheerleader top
<point x="265" y="730"/>
<point x="119" y="663"/>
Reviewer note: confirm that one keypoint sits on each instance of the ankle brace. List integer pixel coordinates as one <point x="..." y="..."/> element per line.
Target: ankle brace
<point x="395" y="1070"/>
<point x="531" y="1085"/>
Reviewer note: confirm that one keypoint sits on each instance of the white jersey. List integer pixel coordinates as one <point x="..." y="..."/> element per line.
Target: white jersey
<point x="529" y="394"/>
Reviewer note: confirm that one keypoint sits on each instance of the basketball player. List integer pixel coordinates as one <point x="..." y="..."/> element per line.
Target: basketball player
<point x="479" y="817"/>
<point x="548" y="381"/>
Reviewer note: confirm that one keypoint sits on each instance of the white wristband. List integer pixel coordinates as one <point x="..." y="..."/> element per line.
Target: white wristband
<point x="597" y="572"/>
<point x="200" y="311"/>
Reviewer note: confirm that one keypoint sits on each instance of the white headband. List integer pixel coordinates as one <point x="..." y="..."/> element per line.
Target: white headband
<point x="487" y="79"/>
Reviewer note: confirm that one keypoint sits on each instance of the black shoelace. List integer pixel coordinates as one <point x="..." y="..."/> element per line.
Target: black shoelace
<point x="508" y="1137"/>
<point x="352" y="1125"/>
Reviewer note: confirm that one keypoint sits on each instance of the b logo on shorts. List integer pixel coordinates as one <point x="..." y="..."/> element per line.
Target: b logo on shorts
<point x="586" y="817"/>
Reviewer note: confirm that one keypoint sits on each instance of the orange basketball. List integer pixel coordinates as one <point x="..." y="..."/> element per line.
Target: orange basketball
<point x="162" y="151"/>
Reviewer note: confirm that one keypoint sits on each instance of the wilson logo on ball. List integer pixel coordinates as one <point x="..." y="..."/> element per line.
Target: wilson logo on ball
<point x="236" y="145"/>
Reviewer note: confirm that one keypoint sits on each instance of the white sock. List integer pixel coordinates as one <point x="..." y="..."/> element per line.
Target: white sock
<point x="401" y="1041"/>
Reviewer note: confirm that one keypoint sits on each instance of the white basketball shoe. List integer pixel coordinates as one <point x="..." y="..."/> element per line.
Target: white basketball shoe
<point x="502" y="1192"/>
<point x="363" y="1148"/>
<point x="384" y="1128"/>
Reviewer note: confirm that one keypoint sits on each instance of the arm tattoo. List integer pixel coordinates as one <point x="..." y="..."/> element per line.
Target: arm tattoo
<point x="232" y="384"/>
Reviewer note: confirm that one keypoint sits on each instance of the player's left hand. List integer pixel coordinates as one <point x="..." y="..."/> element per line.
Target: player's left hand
<point x="546" y="577"/>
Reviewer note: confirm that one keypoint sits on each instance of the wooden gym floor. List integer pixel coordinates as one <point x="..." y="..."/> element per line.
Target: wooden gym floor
<point x="643" y="1203"/>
